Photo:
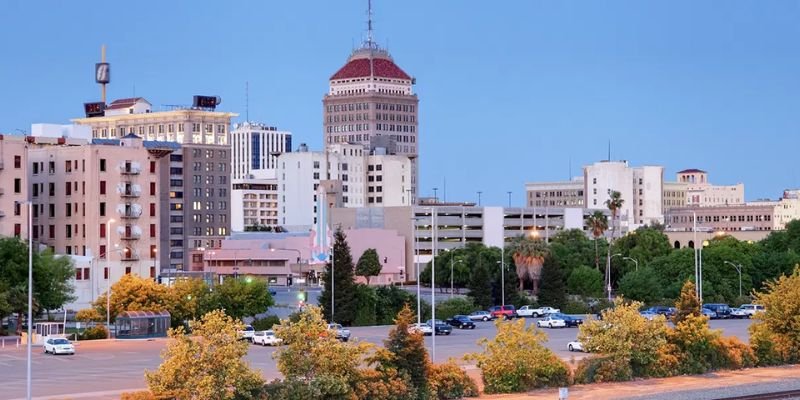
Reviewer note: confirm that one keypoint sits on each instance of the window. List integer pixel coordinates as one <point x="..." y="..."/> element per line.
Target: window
<point x="102" y="230"/>
<point x="152" y="188"/>
<point x="152" y="209"/>
<point x="17" y="162"/>
<point x="17" y="185"/>
<point x="102" y="165"/>
<point x="102" y="187"/>
<point x="152" y="230"/>
<point x="52" y="231"/>
<point x="52" y="210"/>
<point x="152" y="167"/>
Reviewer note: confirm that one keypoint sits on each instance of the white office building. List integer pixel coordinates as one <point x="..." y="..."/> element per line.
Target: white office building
<point x="350" y="176"/>
<point x="255" y="149"/>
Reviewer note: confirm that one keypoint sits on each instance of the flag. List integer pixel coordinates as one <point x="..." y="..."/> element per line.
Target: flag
<point x="321" y="237"/>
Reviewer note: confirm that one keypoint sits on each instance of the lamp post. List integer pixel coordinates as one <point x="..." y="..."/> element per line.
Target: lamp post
<point x="503" y="271"/>
<point x="739" y="270"/>
<point x="108" y="278"/>
<point x="29" y="339"/>
<point x="416" y="265"/>
<point x="634" y="261"/>
<point x="700" y="271"/>
<point x="433" y="284"/>
<point x="299" y="257"/>
<point x="451" y="274"/>
<point x="696" y="259"/>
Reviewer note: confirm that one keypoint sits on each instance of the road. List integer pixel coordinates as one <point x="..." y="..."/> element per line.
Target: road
<point x="106" y="367"/>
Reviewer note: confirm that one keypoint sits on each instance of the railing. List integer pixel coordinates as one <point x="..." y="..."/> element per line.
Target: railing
<point x="131" y="214"/>
<point x="129" y="256"/>
<point x="129" y="169"/>
<point x="129" y="192"/>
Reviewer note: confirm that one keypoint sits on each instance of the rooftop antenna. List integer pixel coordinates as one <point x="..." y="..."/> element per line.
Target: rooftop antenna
<point x="102" y="73"/>
<point x="609" y="150"/>
<point x="247" y="101"/>
<point x="369" y="22"/>
<point x="569" y="178"/>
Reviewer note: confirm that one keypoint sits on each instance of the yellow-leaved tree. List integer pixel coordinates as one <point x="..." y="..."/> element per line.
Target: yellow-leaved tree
<point x="775" y="336"/>
<point x="134" y="293"/>
<point x="207" y="366"/>
<point x="516" y="360"/>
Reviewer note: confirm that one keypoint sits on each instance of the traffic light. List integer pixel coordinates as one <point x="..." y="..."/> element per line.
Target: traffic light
<point x="302" y="296"/>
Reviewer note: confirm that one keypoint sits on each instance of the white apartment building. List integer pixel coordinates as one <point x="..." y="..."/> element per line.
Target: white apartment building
<point x="350" y="176"/>
<point x="255" y="149"/>
<point x="254" y="204"/>
<point x="556" y="194"/>
<point x="701" y="193"/>
<point x="641" y="189"/>
<point x="674" y="195"/>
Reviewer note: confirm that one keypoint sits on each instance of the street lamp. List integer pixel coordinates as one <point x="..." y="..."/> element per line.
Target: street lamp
<point x="299" y="257"/>
<point x="416" y="264"/>
<point x="451" y="274"/>
<point x="739" y="270"/>
<point x="700" y="271"/>
<point x="634" y="261"/>
<point x="29" y="339"/>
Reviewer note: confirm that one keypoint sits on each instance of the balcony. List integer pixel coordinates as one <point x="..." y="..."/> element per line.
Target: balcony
<point x="130" y="168"/>
<point x="129" y="191"/>
<point x="129" y="232"/>
<point x="130" y="214"/>
<point x="129" y="255"/>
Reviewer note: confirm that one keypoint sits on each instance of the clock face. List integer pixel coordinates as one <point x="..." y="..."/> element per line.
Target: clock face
<point x="102" y="73"/>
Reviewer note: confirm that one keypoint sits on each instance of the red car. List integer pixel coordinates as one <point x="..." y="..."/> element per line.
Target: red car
<point x="506" y="312"/>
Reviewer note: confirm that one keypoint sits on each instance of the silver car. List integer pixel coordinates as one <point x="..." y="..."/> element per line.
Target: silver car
<point x="58" y="346"/>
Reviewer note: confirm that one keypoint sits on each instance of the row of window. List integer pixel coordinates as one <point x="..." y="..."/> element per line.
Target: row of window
<point x="223" y="154"/>
<point x="209" y="218"/>
<point x="348" y="107"/>
<point x="209" y="167"/>
<point x="721" y="218"/>
<point x="198" y="179"/>
<point x="209" y="205"/>
<point x="152" y="129"/>
<point x="209" y="192"/>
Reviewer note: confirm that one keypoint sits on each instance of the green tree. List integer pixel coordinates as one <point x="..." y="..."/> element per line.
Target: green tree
<point x="572" y="248"/>
<point x="134" y="293"/>
<point x="479" y="291"/>
<point x="346" y="302"/>
<point x="553" y="291"/>
<point x="598" y="224"/>
<point x="366" y="309"/>
<point x="242" y="297"/>
<point x="406" y="352"/>
<point x="455" y="306"/>
<point x="624" y="334"/>
<point x="390" y="300"/>
<point x="641" y="285"/>
<point x="688" y="303"/>
<point x="369" y="264"/>
<point x="516" y="360"/>
<point x="189" y="299"/>
<point x="528" y="254"/>
<point x="585" y="281"/>
<point x="52" y="281"/>
<point x="614" y="204"/>
<point x="208" y="365"/>
<point x="673" y="270"/>
<point x="775" y="334"/>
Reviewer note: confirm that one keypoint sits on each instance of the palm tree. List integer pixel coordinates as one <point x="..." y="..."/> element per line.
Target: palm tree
<point x="598" y="223"/>
<point x="614" y="204"/>
<point x="529" y="254"/>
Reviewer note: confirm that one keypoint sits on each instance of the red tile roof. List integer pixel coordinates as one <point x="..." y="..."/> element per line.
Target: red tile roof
<point x="691" y="171"/>
<point x="124" y="103"/>
<point x="359" y="68"/>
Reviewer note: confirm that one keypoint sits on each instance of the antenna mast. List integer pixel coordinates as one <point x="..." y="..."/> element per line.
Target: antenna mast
<point x="247" y="101"/>
<point x="369" y="22"/>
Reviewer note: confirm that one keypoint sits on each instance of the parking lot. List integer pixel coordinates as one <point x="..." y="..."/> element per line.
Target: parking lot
<point x="103" y="367"/>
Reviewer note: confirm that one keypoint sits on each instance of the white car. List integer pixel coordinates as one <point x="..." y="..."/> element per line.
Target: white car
<point x="739" y="313"/>
<point x="751" y="309"/>
<point x="422" y="328"/>
<point x="247" y="333"/>
<point x="58" y="346"/>
<point x="537" y="312"/>
<point x="575" y="346"/>
<point x="551" y="322"/>
<point x="480" y="316"/>
<point x="266" y="338"/>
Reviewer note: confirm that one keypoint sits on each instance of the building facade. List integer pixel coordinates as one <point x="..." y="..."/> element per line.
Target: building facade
<point x="556" y="194"/>
<point x="674" y="195"/>
<point x="196" y="186"/>
<point x="87" y="196"/>
<point x="371" y="102"/>
<point x="254" y="204"/>
<point x="255" y="149"/>
<point x="348" y="174"/>
<point x="701" y="193"/>
<point x="15" y="189"/>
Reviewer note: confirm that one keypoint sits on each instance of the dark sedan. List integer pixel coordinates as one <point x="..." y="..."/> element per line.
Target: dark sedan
<point x="570" y="321"/>
<point x="440" y="328"/>
<point x="460" y="322"/>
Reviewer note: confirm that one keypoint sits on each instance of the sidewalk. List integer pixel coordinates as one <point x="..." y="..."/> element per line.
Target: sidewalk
<point x="696" y="387"/>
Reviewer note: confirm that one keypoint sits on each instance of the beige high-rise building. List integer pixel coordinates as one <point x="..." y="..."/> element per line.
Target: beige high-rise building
<point x="701" y="193"/>
<point x="14" y="190"/>
<point x="196" y="188"/>
<point x="87" y="196"/>
<point x="371" y="102"/>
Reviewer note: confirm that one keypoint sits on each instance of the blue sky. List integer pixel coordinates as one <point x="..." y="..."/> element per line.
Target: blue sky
<point x="509" y="92"/>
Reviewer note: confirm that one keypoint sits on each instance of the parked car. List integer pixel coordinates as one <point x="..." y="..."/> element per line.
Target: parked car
<point x="422" y="328"/>
<point x="266" y="338"/>
<point x="58" y="346"/>
<point x="551" y="321"/>
<point x="525" y="311"/>
<point x="709" y="313"/>
<point x="570" y="320"/>
<point x="342" y="333"/>
<point x="273" y="292"/>
<point x="663" y="310"/>
<point x="247" y="333"/>
<point x="722" y="310"/>
<point x="739" y="313"/>
<point x="575" y="346"/>
<point x="752" y="308"/>
<point x="506" y="312"/>
<point x="480" y="316"/>
<point x="440" y="328"/>
<point x="649" y="315"/>
<point x="460" y="322"/>
<point x="540" y="312"/>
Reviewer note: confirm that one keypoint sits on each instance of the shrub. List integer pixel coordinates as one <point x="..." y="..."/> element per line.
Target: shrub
<point x="454" y="306"/>
<point x="94" y="333"/>
<point x="735" y="354"/>
<point x="448" y="381"/>
<point x="265" y="323"/>
<point x="603" y="369"/>
<point x="383" y="385"/>
<point x="585" y="281"/>
<point x="762" y="341"/>
<point x="321" y="387"/>
<point x="576" y="307"/>
<point x="780" y="321"/>
<point x="142" y="395"/>
<point x="516" y="361"/>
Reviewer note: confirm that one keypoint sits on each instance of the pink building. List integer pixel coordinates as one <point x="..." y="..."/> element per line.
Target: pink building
<point x="283" y="258"/>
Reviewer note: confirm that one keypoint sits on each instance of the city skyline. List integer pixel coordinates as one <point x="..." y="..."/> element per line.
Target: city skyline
<point x="550" y="86"/>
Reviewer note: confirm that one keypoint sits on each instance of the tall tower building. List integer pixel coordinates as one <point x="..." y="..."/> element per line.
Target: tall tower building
<point x="371" y="102"/>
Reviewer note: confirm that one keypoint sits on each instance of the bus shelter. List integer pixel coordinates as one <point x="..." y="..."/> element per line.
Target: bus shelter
<point x="142" y="324"/>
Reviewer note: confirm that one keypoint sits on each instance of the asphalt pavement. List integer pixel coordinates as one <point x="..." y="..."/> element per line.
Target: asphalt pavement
<point x="103" y="369"/>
